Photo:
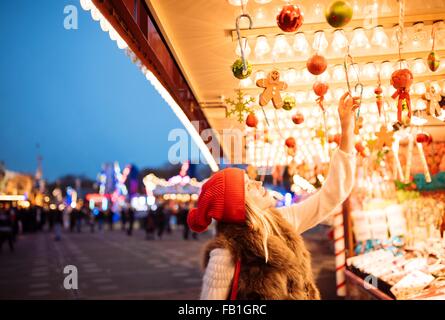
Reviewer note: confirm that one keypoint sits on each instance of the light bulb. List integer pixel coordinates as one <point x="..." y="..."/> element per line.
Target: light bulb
<point x="419" y="88"/>
<point x="95" y="14"/>
<point x="300" y="96"/>
<point x="320" y="42"/>
<point x="325" y="76"/>
<point x="245" y="83"/>
<point x="280" y="46"/>
<point x="86" y="4"/>
<point x="386" y="69"/>
<point x="419" y="66"/>
<point x="260" y="14"/>
<point x="401" y="64"/>
<point x="379" y="37"/>
<point x="359" y="39"/>
<point x="263" y="1"/>
<point x="307" y="76"/>
<point x="237" y="2"/>
<point x="419" y="35"/>
<point x="245" y="45"/>
<point x="339" y="40"/>
<point x="354" y="72"/>
<point x="420" y="104"/>
<point x="291" y="76"/>
<point x="262" y="46"/>
<point x="369" y="71"/>
<point x="318" y="10"/>
<point x="338" y="73"/>
<point x="300" y="43"/>
<point x="260" y="74"/>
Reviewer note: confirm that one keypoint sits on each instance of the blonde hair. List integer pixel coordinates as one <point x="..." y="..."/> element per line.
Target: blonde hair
<point x="261" y="221"/>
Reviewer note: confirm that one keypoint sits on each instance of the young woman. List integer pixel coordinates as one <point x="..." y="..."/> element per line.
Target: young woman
<point x="258" y="252"/>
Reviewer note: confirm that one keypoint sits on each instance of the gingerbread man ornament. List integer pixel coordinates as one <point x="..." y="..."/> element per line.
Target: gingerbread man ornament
<point x="272" y="87"/>
<point x="433" y="98"/>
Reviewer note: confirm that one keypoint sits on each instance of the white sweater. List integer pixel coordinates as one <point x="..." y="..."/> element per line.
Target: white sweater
<point x="303" y="216"/>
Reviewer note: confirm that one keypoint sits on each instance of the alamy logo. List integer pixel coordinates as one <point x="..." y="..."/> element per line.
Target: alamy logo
<point x="71" y="21"/>
<point x="71" y="280"/>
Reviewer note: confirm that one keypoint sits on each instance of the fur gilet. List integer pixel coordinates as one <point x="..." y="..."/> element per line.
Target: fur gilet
<point x="286" y="275"/>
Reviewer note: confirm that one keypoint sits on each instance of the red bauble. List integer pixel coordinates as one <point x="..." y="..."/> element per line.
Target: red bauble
<point x="290" y="18"/>
<point x="335" y="138"/>
<point x="298" y="118"/>
<point x="424" y="138"/>
<point x="291" y="143"/>
<point x="251" y="120"/>
<point x="316" y="64"/>
<point x="402" y="79"/>
<point x="320" y="88"/>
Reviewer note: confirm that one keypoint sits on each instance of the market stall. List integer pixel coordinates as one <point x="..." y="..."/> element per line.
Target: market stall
<point x="266" y="76"/>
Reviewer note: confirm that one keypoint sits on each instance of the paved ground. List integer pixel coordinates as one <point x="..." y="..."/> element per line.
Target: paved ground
<point x="112" y="265"/>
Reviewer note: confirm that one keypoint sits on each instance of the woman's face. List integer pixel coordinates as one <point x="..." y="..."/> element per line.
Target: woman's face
<point x="256" y="191"/>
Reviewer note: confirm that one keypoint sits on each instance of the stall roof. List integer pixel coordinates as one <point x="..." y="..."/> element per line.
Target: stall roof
<point x="201" y="34"/>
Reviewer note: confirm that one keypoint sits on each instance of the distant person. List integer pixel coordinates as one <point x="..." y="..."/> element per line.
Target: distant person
<point x="124" y="219"/>
<point x="6" y="232"/>
<point x="58" y="223"/>
<point x="73" y="218"/>
<point x="131" y="214"/>
<point x="109" y="217"/>
<point x="160" y="220"/>
<point x="150" y="225"/>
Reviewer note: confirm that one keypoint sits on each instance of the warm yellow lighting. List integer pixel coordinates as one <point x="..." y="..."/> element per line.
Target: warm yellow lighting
<point x="419" y="66"/>
<point x="262" y="46"/>
<point x="379" y="37"/>
<point x="320" y="42"/>
<point x="246" y="47"/>
<point x="359" y="39"/>
<point x="237" y="2"/>
<point x="300" y="43"/>
<point x="12" y="197"/>
<point x="386" y="69"/>
<point x="281" y="46"/>
<point x="338" y="73"/>
<point x="369" y="71"/>
<point x="339" y="40"/>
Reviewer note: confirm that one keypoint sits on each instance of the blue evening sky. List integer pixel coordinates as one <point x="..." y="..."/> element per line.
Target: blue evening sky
<point x="75" y="94"/>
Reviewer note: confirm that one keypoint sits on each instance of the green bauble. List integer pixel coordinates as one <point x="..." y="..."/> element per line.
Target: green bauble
<point x="433" y="61"/>
<point x="237" y="69"/>
<point x="288" y="103"/>
<point x="339" y="13"/>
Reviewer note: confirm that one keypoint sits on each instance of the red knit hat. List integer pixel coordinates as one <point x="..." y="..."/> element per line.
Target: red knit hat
<point x="221" y="198"/>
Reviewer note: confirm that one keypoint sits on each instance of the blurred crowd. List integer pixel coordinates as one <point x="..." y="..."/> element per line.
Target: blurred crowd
<point x="156" y="222"/>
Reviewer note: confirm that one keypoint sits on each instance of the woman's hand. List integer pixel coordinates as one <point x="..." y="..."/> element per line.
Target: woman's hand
<point x="346" y="112"/>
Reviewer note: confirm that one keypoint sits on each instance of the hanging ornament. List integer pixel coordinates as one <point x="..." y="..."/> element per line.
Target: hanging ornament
<point x="401" y="80"/>
<point x="317" y="64"/>
<point x="290" y="18"/>
<point x="291" y="143"/>
<point x="424" y="137"/>
<point x="238" y="69"/>
<point x="433" y="98"/>
<point x="298" y="118"/>
<point x="240" y="106"/>
<point x="334" y="138"/>
<point x="320" y="89"/>
<point x="272" y="87"/>
<point x="433" y="58"/>
<point x="252" y="120"/>
<point x="361" y="150"/>
<point x="358" y="125"/>
<point x="339" y="13"/>
<point x="321" y="134"/>
<point x="241" y="68"/>
<point x="289" y="103"/>
<point x="433" y="61"/>
<point x="384" y="138"/>
<point x="379" y="98"/>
